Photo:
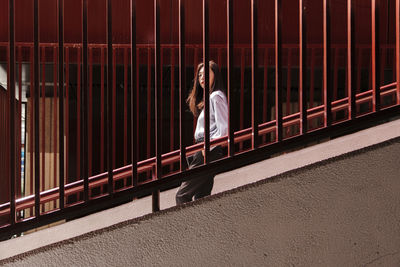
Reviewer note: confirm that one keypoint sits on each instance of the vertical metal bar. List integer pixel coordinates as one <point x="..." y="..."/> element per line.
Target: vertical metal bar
<point x="78" y="115"/>
<point x="134" y="101"/>
<point x="351" y="82"/>
<point x="90" y="114"/>
<point x="206" y="91"/>
<point x="43" y="117"/>
<point x="114" y="102"/>
<point x="125" y="106"/>
<point x="102" y="113"/>
<point x="85" y="157"/>
<point x="398" y="50"/>
<point x="31" y="128"/>
<point x="182" y="85"/>
<point x="11" y="86"/>
<point x="172" y="108"/>
<point x="158" y="102"/>
<point x="110" y="186"/>
<point x="278" y="70"/>
<point x="55" y="117"/>
<point x="242" y="69"/>
<point x="195" y="63"/>
<point x="61" y="100"/>
<point x="36" y="105"/>
<point x="18" y="126"/>
<point x="229" y="15"/>
<point x="303" y="65"/>
<point x="327" y="65"/>
<point x="148" y="101"/>
<point x="66" y="111"/>
<point x="254" y="76"/>
<point x="375" y="55"/>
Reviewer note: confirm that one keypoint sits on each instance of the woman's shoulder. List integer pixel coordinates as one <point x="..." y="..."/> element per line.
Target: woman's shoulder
<point x="217" y="94"/>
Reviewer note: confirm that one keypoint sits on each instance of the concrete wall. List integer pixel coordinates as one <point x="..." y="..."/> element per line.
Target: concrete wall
<point x="343" y="211"/>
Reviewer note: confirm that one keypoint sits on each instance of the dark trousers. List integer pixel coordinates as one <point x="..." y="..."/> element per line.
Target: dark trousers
<point x="201" y="186"/>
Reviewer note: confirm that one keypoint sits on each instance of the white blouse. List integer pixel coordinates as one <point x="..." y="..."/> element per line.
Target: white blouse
<point x="218" y="117"/>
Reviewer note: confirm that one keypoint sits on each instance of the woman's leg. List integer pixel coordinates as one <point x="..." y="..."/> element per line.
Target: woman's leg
<point x="201" y="186"/>
<point x="188" y="188"/>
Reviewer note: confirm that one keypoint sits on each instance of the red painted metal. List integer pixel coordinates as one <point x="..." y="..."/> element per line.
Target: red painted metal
<point x="148" y="101"/>
<point x="110" y="82"/>
<point x="84" y="114"/>
<point x="134" y="95"/>
<point x="254" y="67"/>
<point x="11" y="88"/>
<point x="242" y="69"/>
<point x="158" y="103"/>
<point x="43" y="121"/>
<point x="102" y="111"/>
<point x="61" y="101"/>
<point x="398" y="49"/>
<point x="375" y="54"/>
<point x="327" y="64"/>
<point x="36" y="64"/>
<point x="195" y="64"/>
<point x="206" y="94"/>
<point x="18" y="192"/>
<point x="67" y="113"/>
<point x="125" y="106"/>
<point x="172" y="108"/>
<point x="182" y="85"/>
<point x="90" y="114"/>
<point x="278" y="70"/>
<point x="230" y="64"/>
<point x="351" y="82"/>
<point x="55" y="118"/>
<point x="159" y="160"/>
<point x="31" y="129"/>
<point x="302" y="67"/>
<point x="114" y="103"/>
<point x="78" y="115"/>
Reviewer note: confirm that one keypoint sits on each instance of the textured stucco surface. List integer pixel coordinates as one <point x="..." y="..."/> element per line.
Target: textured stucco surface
<point x="341" y="212"/>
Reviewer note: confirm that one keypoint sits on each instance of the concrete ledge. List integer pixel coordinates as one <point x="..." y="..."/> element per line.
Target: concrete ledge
<point x="223" y="182"/>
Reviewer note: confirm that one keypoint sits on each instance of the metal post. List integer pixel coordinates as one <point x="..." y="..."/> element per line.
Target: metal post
<point x="375" y="55"/>
<point x="134" y="144"/>
<point x="109" y="97"/>
<point x="303" y="66"/>
<point x="12" y="118"/>
<point x="206" y="91"/>
<point x="327" y="65"/>
<point x="254" y="63"/>
<point x="158" y="102"/>
<point x="36" y="104"/>
<point x="85" y="157"/>
<point x="351" y="82"/>
<point x="278" y="70"/>
<point x="231" y="145"/>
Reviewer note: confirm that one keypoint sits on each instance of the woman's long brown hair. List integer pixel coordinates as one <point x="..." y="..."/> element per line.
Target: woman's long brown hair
<point x="195" y="98"/>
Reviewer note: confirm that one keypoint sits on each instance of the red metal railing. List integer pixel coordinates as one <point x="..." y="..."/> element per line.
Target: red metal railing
<point x="83" y="155"/>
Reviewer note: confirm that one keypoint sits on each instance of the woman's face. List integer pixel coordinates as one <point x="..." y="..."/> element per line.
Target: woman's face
<point x="202" y="78"/>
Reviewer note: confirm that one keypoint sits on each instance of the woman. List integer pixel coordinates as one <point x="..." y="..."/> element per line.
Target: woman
<point x="201" y="187"/>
